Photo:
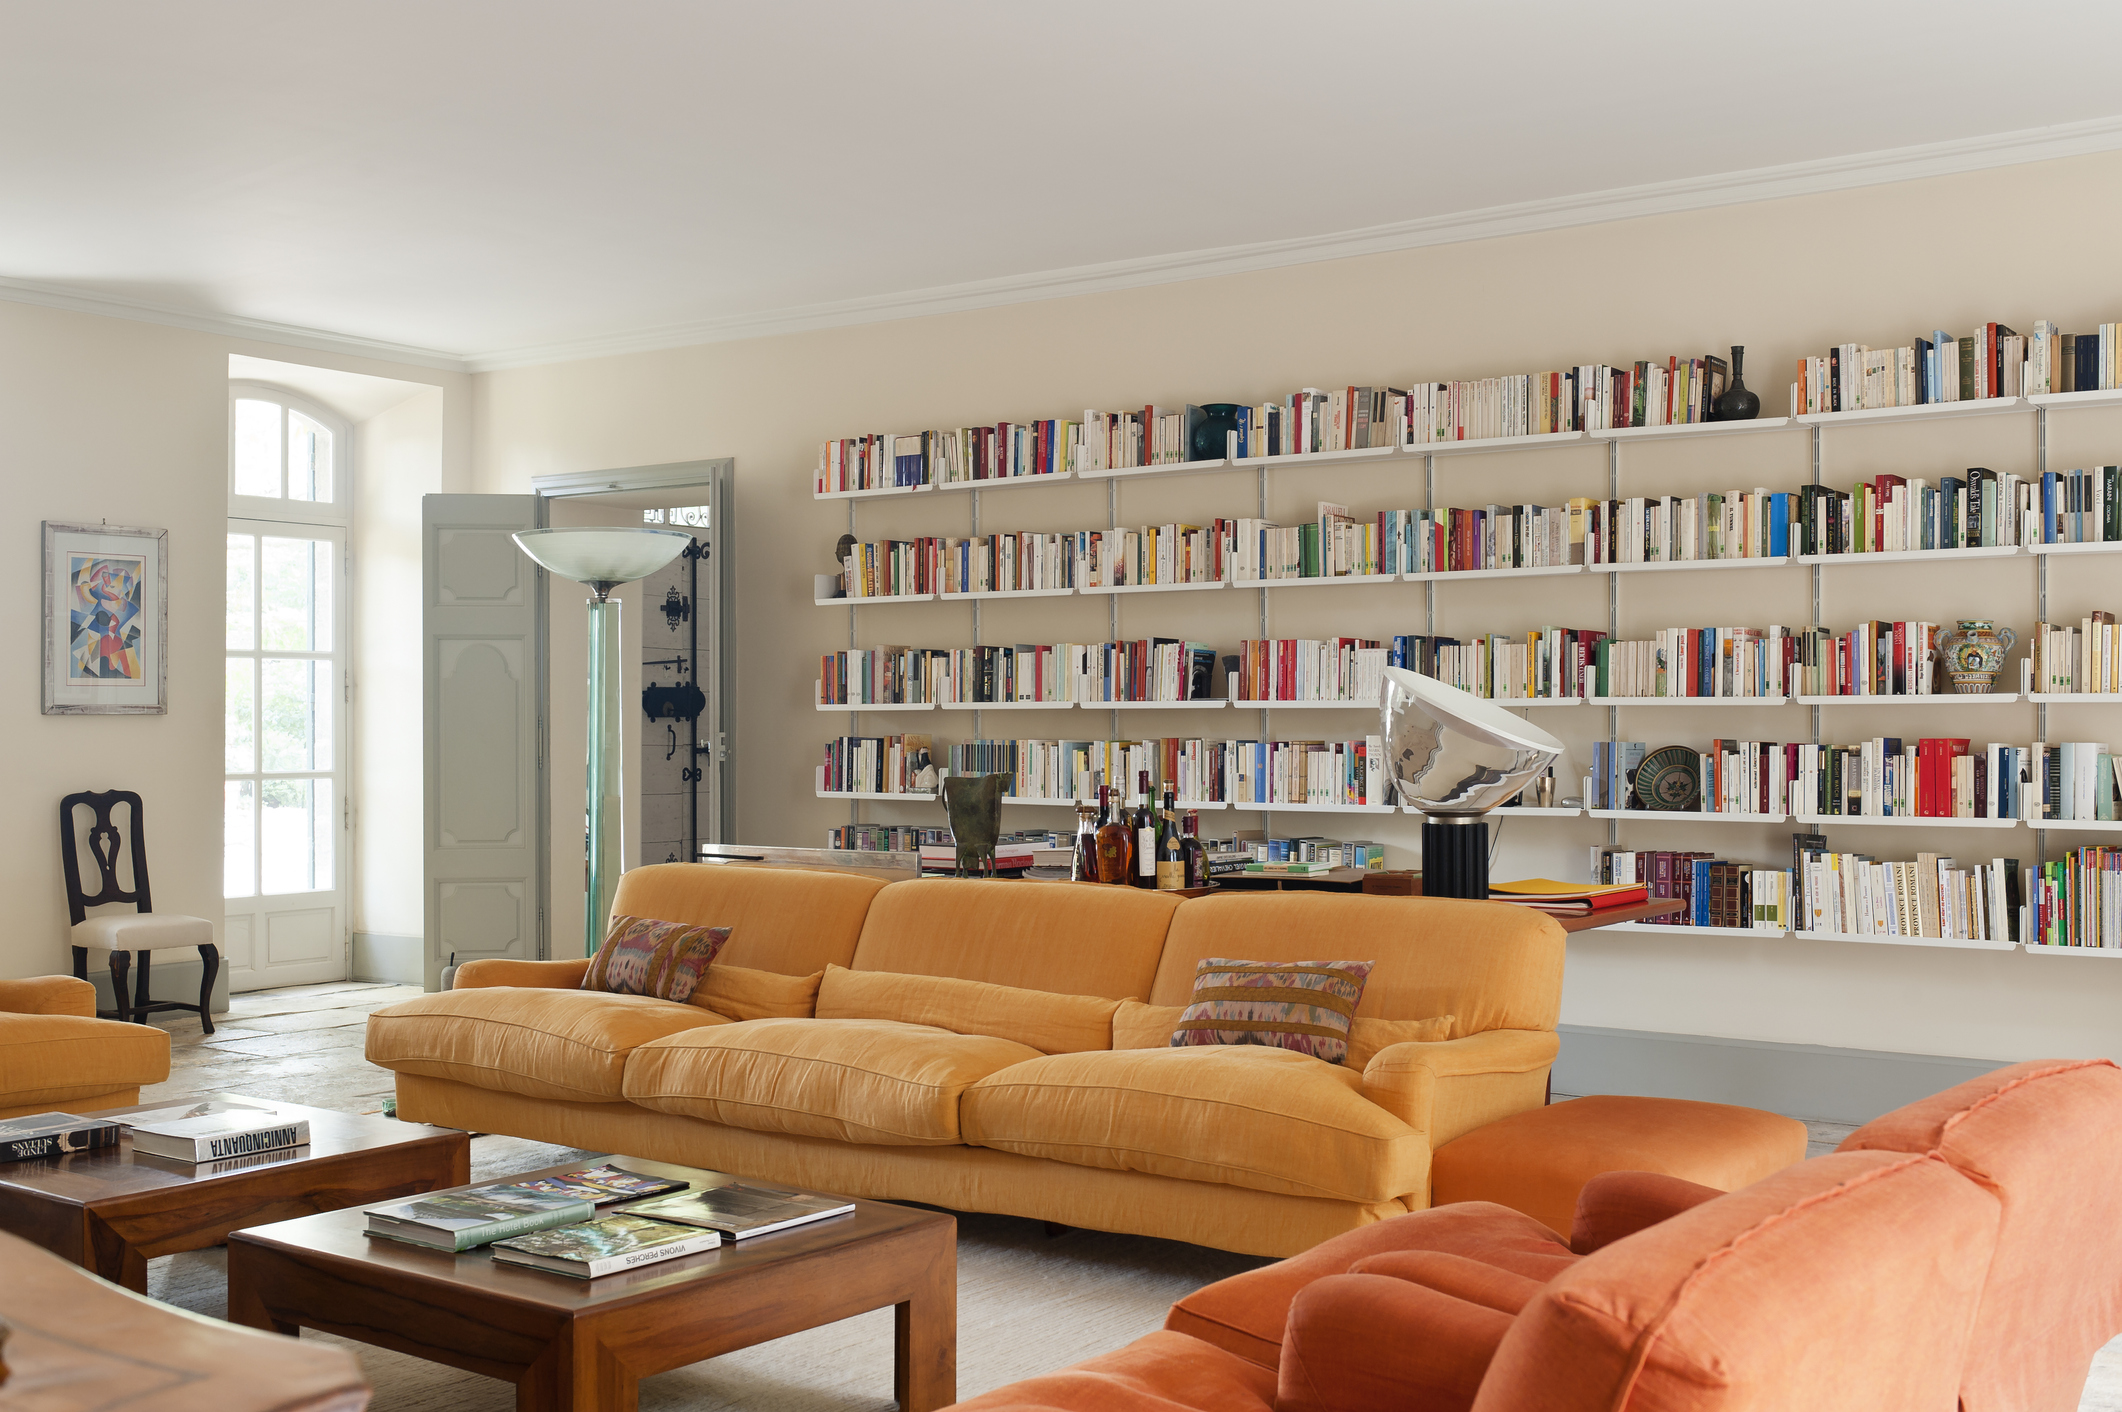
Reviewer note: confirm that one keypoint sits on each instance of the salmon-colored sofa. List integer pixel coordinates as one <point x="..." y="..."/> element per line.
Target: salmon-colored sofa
<point x="996" y="1046"/>
<point x="56" y="1055"/>
<point x="1960" y="1252"/>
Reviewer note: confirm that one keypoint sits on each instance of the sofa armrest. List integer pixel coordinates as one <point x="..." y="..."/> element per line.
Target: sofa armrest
<point x="1448" y="1089"/>
<point x="1614" y="1205"/>
<point x="537" y="975"/>
<point x="1460" y="1276"/>
<point x="48" y="995"/>
<point x="1363" y="1342"/>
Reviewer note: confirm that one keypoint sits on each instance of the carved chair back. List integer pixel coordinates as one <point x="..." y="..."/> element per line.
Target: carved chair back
<point x="105" y="845"/>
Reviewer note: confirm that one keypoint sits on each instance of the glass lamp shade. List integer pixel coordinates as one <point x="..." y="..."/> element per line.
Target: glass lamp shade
<point x="602" y="557"/>
<point x="1453" y="753"/>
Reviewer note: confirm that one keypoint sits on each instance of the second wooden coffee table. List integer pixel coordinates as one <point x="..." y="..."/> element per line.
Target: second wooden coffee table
<point x="585" y="1344"/>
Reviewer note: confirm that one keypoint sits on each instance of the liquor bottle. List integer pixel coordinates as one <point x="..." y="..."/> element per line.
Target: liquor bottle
<point x="1145" y="834"/>
<point x="1083" y="862"/>
<point x="1196" y="853"/>
<point x="1171" y="854"/>
<point x="1116" y="841"/>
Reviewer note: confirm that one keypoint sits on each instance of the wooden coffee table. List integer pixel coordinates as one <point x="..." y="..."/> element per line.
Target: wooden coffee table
<point x="113" y="1209"/>
<point x="585" y="1344"/>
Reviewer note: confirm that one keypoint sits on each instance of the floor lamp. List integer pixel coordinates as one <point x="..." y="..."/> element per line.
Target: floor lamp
<point x="603" y="559"/>
<point x="1455" y="756"/>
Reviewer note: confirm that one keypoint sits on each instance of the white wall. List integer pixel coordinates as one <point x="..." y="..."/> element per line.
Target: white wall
<point x="1785" y="278"/>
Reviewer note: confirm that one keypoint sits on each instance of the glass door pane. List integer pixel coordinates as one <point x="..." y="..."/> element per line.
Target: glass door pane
<point x="297" y="835"/>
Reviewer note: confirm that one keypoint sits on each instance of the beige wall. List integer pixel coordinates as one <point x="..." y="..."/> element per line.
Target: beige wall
<point x="112" y="419"/>
<point x="1783" y="278"/>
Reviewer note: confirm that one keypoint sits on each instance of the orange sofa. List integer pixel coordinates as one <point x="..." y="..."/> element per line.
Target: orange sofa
<point x="1001" y="1047"/>
<point x="56" y="1055"/>
<point x="1952" y="1253"/>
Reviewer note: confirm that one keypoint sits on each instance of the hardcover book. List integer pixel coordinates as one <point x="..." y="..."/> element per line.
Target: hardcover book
<point x="604" y="1246"/>
<point x="601" y="1185"/>
<point x="741" y="1210"/>
<point x="462" y="1220"/>
<point x="52" y="1134"/>
<point x="217" y="1130"/>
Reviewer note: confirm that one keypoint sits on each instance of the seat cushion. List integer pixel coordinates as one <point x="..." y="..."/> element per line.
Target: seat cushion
<point x="47" y="1061"/>
<point x="143" y="931"/>
<point x="1049" y="1023"/>
<point x="871" y="1081"/>
<point x="569" y="1045"/>
<point x="1254" y="1117"/>
<point x="744" y="993"/>
<point x="1161" y="1372"/>
<point x="1536" y="1161"/>
<point x="1139" y="1026"/>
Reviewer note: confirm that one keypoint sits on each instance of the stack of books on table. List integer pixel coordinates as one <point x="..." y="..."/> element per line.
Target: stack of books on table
<point x="53" y="1135"/>
<point x="553" y="1223"/>
<point x="1568" y="899"/>
<point x="217" y="1130"/>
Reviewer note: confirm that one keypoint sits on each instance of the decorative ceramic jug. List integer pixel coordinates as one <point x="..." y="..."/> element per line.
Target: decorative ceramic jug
<point x="1735" y="403"/>
<point x="1974" y="654"/>
<point x="1211" y="439"/>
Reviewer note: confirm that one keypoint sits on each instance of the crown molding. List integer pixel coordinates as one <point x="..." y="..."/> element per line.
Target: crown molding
<point x="1591" y="208"/>
<point x="50" y="296"/>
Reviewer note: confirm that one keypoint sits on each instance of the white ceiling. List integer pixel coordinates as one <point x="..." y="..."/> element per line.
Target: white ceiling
<point x="508" y="180"/>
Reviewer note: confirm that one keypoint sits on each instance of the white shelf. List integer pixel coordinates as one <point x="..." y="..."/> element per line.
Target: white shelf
<point x="2096" y="397"/>
<point x="1005" y="593"/>
<point x="1904" y="821"/>
<point x="1195" y="805"/>
<point x="1695" y="429"/>
<point x="1669" y="565"/>
<point x="2081" y="825"/>
<point x="1515" y="811"/>
<point x="866" y="602"/>
<point x="1156" y="587"/>
<point x="868" y="494"/>
<point x="1928" y="411"/>
<point x="1314" y="808"/>
<point x="1521" y="703"/>
<point x="1676" y="929"/>
<point x="2090" y="546"/>
<point x="1953" y="943"/>
<point x="1007" y="705"/>
<point x="1692" y="816"/>
<point x="1498" y="443"/>
<point x="1322" y="458"/>
<point x="1494" y="573"/>
<point x="1957" y="698"/>
<point x="872" y="794"/>
<point x="1169" y="468"/>
<point x="2032" y="948"/>
<point x="1314" y="582"/>
<point x="1001" y="482"/>
<point x="1916" y="556"/>
<point x="843" y="707"/>
<point x="2076" y="698"/>
<point x="1201" y="703"/>
<point x="1305" y="705"/>
<point x="1687" y="700"/>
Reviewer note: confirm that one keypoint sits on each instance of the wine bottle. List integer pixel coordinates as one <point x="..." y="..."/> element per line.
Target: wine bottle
<point x="1196" y="853"/>
<point x="1171" y="855"/>
<point x="1083" y="862"/>
<point x="1145" y="834"/>
<point x="1116" y="841"/>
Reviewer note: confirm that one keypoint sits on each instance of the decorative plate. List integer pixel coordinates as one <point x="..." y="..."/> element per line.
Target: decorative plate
<point x="1670" y="777"/>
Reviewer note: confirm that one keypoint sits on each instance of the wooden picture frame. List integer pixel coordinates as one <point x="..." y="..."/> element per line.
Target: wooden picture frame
<point x="106" y="620"/>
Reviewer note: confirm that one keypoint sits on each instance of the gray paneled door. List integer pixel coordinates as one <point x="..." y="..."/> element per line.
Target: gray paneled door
<point x="484" y="673"/>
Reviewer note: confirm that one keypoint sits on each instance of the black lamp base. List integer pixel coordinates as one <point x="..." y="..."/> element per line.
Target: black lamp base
<point x="1455" y="858"/>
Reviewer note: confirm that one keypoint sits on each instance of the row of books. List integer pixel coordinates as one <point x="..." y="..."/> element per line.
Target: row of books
<point x="206" y="1133"/>
<point x="1729" y="663"/>
<point x="952" y="456"/>
<point x="2085" y="658"/>
<point x="2076" y="900"/>
<point x="879" y="764"/>
<point x="1060" y="673"/>
<point x="1712" y="891"/>
<point x="1667" y="529"/>
<point x="883" y="838"/>
<point x="1446" y="539"/>
<point x="1931" y="896"/>
<point x="1990" y="362"/>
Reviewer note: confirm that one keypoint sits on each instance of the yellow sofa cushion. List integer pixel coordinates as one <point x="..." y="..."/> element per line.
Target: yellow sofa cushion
<point x="47" y="1061"/>
<point x="1139" y="1026"/>
<point x="1049" y="1023"/>
<point x="1072" y="938"/>
<point x="569" y="1045"/>
<point x="1241" y="1115"/>
<point x="743" y="993"/>
<point x="872" y="1081"/>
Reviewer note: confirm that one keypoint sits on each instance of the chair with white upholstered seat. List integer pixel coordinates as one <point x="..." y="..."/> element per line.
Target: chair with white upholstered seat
<point x="142" y="932"/>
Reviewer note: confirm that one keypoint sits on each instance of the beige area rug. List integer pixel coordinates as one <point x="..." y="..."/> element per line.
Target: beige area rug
<point x="1027" y="1304"/>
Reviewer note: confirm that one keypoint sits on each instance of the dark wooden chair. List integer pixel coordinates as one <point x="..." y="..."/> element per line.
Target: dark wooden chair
<point x="144" y="931"/>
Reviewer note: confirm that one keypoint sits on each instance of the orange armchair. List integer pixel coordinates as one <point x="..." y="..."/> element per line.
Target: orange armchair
<point x="55" y="1053"/>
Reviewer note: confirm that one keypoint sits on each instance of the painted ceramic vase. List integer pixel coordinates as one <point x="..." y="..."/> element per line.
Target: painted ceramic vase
<point x="1974" y="653"/>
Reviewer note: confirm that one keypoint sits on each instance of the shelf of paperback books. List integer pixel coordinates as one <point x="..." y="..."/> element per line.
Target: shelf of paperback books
<point x="1672" y="929"/>
<point x="1305" y="705"/>
<point x="1940" y="698"/>
<point x="1922" y="411"/>
<point x="1454" y="574"/>
<point x="1197" y="806"/>
<point x="1692" y="816"/>
<point x="1906" y="821"/>
<point x="1955" y="943"/>
<point x="844" y="706"/>
<point x="1758" y="424"/>
<point x="1262" y="806"/>
<point x="1206" y="703"/>
<point x="2032" y="948"/>
<point x="914" y="795"/>
<point x="1010" y="705"/>
<point x="856" y="601"/>
<point x="868" y="494"/>
<point x="1482" y="444"/>
<point x="1775" y="561"/>
<point x="1315" y="582"/>
<point x="1915" y="556"/>
<point x="1318" y="458"/>
<point x="1001" y="482"/>
<point x="1153" y="587"/>
<point x="1690" y="700"/>
<point x="1168" y="468"/>
<point x="986" y="593"/>
<point x="2089" y="546"/>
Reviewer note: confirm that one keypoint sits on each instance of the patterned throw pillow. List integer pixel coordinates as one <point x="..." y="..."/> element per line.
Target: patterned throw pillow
<point x="1300" y="1005"/>
<point x="644" y="956"/>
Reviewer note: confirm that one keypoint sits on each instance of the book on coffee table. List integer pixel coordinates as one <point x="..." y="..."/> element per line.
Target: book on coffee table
<point x="601" y="1185"/>
<point x="216" y="1130"/>
<point x="53" y="1134"/>
<point x="463" y="1220"/>
<point x="743" y="1209"/>
<point x="604" y="1246"/>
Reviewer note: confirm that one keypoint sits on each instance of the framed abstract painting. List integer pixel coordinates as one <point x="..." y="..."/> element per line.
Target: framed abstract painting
<point x="106" y="620"/>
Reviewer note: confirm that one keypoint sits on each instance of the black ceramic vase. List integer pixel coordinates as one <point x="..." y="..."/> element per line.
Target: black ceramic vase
<point x="1736" y="404"/>
<point x="1211" y="439"/>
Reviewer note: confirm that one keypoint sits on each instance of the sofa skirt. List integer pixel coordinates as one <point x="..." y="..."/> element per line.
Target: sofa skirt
<point x="955" y="1178"/>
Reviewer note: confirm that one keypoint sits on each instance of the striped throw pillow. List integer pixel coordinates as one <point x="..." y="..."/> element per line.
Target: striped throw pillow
<point x="1300" y="1005"/>
<point x="644" y="956"/>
